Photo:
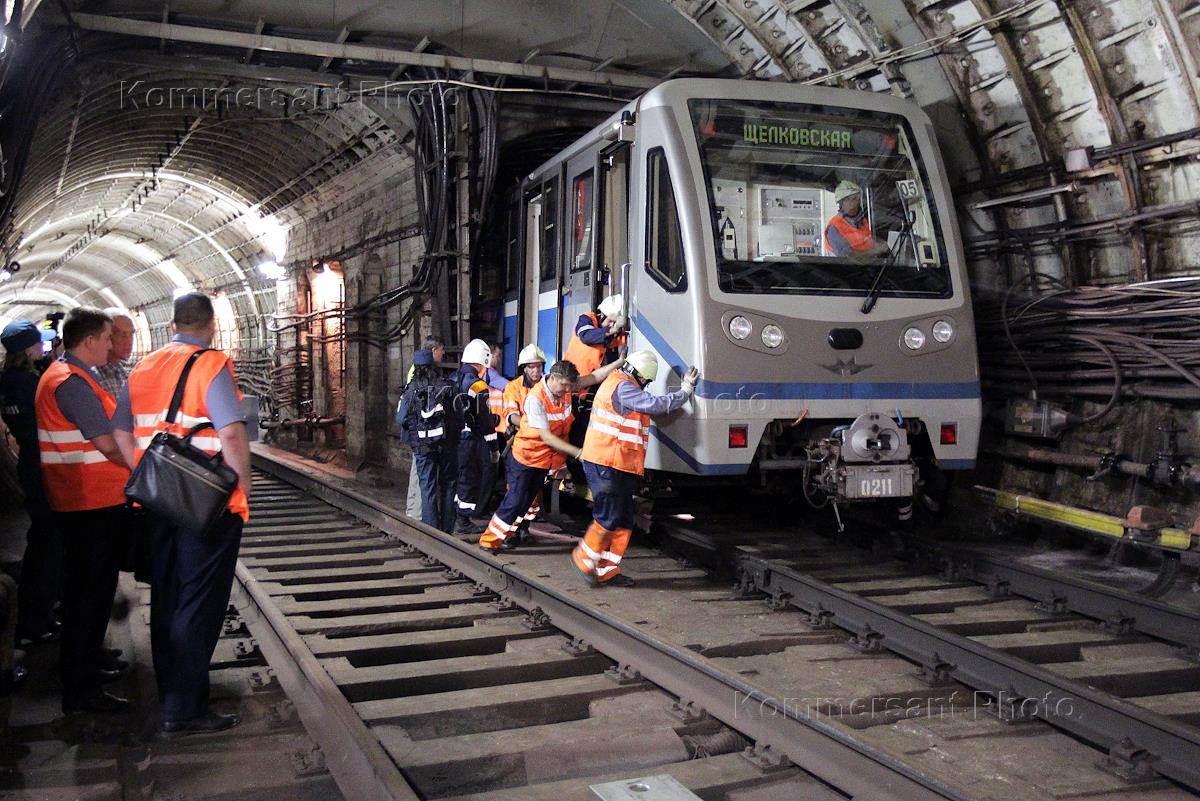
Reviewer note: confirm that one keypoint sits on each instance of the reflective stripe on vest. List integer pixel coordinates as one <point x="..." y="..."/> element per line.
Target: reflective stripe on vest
<point x="613" y="439"/>
<point x="77" y="476"/>
<point x="528" y="447"/>
<point x="859" y="238"/>
<point x="151" y="385"/>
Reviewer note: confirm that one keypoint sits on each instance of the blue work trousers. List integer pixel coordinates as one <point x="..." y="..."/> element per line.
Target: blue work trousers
<point x="437" y="471"/>
<point x="192" y="577"/>
<point x="612" y="495"/>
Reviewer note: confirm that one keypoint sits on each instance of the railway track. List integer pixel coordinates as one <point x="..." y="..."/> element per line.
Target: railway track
<point x="427" y="669"/>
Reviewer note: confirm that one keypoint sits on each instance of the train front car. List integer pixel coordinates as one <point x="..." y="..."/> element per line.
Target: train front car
<point x="800" y="246"/>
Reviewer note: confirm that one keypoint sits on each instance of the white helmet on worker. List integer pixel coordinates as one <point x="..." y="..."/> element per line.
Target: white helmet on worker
<point x="529" y="355"/>
<point x="476" y="352"/>
<point x="642" y="364"/>
<point x="845" y="189"/>
<point x="613" y="306"/>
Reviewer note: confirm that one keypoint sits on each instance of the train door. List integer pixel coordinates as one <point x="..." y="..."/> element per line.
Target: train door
<point x="578" y="278"/>
<point x="612" y="220"/>
<point x="513" y="277"/>
<point x="547" y="274"/>
<point x="531" y="266"/>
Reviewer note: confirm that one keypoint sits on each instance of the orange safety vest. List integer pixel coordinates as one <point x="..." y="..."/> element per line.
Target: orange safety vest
<point x="528" y="448"/>
<point x="616" y="440"/>
<point x="588" y="358"/>
<point x="514" y="401"/>
<point x="860" y="238"/>
<point x="496" y="403"/>
<point x="78" y="477"/>
<point x="151" y="385"/>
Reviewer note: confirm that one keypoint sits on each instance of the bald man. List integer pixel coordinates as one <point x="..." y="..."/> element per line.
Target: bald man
<point x="112" y="374"/>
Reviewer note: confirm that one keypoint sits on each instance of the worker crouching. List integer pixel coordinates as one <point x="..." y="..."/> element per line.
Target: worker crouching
<point x="614" y="458"/>
<point x="539" y="447"/>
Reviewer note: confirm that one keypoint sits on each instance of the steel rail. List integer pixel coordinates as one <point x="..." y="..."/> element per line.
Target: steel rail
<point x="358" y="762"/>
<point x="1015" y="687"/>
<point x="1063" y="593"/>
<point x="779" y="729"/>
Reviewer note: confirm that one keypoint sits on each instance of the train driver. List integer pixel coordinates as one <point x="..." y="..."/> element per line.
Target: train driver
<point x="849" y="232"/>
<point x="614" y="458"/>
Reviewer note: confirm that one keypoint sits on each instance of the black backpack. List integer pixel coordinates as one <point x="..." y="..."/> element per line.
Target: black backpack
<point x="432" y="404"/>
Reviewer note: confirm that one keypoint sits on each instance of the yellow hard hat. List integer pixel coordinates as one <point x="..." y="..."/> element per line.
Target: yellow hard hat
<point x="644" y="363"/>
<point x="845" y="189"/>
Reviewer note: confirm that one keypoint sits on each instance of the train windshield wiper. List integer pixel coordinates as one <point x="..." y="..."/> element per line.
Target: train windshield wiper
<point x="893" y="253"/>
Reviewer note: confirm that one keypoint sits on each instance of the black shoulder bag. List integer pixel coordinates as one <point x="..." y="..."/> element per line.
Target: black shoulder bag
<point x="178" y="481"/>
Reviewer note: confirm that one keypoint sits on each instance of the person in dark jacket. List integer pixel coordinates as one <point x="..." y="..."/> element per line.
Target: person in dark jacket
<point x="478" y="446"/>
<point x="41" y="567"/>
<point x="431" y="424"/>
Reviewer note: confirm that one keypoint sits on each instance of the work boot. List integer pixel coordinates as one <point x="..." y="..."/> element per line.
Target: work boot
<point x="101" y="703"/>
<point x="619" y="580"/>
<point x="522" y="535"/>
<point x="463" y="525"/>
<point x="201" y="724"/>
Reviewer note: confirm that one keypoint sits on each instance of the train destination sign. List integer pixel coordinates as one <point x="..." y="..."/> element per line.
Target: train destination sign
<point x="764" y="134"/>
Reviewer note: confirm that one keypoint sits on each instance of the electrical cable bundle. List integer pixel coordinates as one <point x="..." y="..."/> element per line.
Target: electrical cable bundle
<point x="1093" y="343"/>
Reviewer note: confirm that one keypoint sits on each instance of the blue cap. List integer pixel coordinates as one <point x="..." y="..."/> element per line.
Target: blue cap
<point x="19" y="335"/>
<point x="422" y="358"/>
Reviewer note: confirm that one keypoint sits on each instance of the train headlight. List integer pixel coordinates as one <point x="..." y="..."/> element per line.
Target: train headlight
<point x="943" y="331"/>
<point x="772" y="335"/>
<point x="914" y="338"/>
<point x="740" y="327"/>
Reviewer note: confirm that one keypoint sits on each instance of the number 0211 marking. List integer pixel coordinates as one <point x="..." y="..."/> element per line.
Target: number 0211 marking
<point x="907" y="188"/>
<point x="875" y="486"/>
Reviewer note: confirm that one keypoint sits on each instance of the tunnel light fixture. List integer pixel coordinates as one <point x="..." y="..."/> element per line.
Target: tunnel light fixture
<point x="272" y="270"/>
<point x="5" y="275"/>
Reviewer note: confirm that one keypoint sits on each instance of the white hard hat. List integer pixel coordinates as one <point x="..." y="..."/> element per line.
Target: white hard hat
<point x="613" y="306"/>
<point x="476" y="352"/>
<point x="530" y="354"/>
<point x="644" y="362"/>
<point x="845" y="189"/>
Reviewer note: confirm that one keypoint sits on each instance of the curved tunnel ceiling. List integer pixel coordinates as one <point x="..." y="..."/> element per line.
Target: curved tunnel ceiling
<point x="1069" y="126"/>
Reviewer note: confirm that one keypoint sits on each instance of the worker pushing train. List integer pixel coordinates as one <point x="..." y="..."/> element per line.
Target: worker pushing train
<point x="614" y="457"/>
<point x="540" y="447"/>
<point x="598" y="339"/>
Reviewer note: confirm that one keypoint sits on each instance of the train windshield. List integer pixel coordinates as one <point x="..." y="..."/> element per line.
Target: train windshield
<point x="812" y="199"/>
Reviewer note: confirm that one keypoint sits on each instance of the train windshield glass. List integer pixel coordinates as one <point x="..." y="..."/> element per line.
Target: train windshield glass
<point x="817" y="200"/>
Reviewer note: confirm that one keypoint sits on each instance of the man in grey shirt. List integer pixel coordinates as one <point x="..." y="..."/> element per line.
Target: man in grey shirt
<point x="84" y="474"/>
<point x="112" y="374"/>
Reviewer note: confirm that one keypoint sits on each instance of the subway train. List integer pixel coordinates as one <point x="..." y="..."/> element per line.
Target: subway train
<point x="705" y="203"/>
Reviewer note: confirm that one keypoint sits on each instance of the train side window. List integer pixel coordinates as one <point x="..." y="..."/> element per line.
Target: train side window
<point x="581" y="223"/>
<point x="664" y="240"/>
<point x="549" y="266"/>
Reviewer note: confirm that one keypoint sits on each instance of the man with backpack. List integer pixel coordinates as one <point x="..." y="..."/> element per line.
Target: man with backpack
<point x="431" y="424"/>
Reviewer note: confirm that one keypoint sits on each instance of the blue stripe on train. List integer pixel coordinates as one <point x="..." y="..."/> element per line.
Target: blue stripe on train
<point x="512" y="346"/>
<point x="547" y="333"/>
<point x="764" y="390"/>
